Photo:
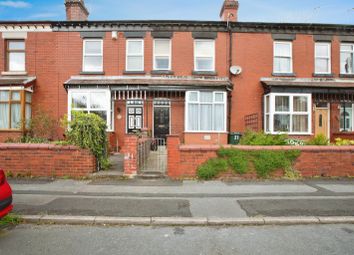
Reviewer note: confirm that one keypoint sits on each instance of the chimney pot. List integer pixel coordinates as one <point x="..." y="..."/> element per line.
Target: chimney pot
<point x="76" y="10"/>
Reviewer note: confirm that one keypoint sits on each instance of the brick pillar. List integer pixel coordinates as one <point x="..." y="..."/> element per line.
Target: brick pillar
<point x="130" y="152"/>
<point x="173" y="156"/>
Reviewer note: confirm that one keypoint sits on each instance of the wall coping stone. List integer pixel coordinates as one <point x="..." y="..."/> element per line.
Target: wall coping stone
<point x="27" y="146"/>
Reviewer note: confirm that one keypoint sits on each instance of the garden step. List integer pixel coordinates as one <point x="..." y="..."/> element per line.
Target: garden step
<point x="152" y="175"/>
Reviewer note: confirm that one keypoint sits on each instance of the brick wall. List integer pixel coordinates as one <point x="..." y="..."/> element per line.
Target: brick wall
<point x="130" y="152"/>
<point x="334" y="161"/>
<point x="46" y="160"/>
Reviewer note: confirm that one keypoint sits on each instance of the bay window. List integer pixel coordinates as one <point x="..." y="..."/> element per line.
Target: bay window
<point x="135" y="55"/>
<point x="287" y="113"/>
<point x="15" y="109"/>
<point x="347" y="59"/>
<point x="162" y="54"/>
<point x="346" y="117"/>
<point x="93" y="55"/>
<point x="91" y="101"/>
<point x="204" y="55"/>
<point x="283" y="62"/>
<point x="205" y="111"/>
<point x="322" y="58"/>
<point x="16" y="56"/>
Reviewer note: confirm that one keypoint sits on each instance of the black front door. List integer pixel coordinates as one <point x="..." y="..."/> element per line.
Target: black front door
<point x="161" y="122"/>
<point x="135" y="118"/>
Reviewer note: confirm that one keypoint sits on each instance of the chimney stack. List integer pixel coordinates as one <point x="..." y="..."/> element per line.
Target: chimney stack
<point x="229" y="10"/>
<point x="76" y="10"/>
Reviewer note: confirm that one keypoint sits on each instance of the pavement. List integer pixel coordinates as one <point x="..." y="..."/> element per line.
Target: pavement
<point x="166" y="202"/>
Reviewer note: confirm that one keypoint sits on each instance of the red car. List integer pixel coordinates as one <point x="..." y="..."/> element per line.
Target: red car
<point x="5" y="195"/>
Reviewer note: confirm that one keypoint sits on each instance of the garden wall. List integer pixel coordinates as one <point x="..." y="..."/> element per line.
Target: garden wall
<point x="334" y="161"/>
<point x="46" y="160"/>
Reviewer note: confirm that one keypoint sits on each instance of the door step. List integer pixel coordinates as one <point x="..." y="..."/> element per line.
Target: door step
<point x="152" y="175"/>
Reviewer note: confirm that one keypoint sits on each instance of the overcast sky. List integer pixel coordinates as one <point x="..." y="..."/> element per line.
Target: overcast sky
<point x="306" y="11"/>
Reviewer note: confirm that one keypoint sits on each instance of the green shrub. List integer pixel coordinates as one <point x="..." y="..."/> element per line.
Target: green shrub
<point x="41" y="126"/>
<point x="212" y="168"/>
<point x="260" y="138"/>
<point x="88" y="131"/>
<point x="318" y="140"/>
<point x="344" y="142"/>
<point x="236" y="159"/>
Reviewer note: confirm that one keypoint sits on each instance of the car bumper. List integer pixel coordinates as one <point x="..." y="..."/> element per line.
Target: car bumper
<point x="5" y="206"/>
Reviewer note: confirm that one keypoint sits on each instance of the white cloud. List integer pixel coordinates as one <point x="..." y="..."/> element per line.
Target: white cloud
<point x="15" y="4"/>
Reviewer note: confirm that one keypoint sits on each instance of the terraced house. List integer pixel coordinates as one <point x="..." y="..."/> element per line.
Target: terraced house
<point x="198" y="79"/>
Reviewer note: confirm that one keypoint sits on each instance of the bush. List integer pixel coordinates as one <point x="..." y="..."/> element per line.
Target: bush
<point x="260" y="138"/>
<point x="318" y="140"/>
<point x="41" y="126"/>
<point x="237" y="160"/>
<point x="212" y="168"/>
<point x="88" y="131"/>
<point x="344" y="142"/>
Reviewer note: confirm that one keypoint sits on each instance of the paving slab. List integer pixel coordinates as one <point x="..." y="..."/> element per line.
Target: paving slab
<point x="339" y="188"/>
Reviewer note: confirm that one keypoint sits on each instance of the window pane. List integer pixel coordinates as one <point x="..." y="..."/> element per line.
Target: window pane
<point x="300" y="104"/>
<point x="204" y="64"/>
<point x="135" y="64"/>
<point x="281" y="123"/>
<point x="282" y="49"/>
<point x="28" y="115"/>
<point x="162" y="63"/>
<point x="193" y="96"/>
<point x="29" y="97"/>
<point x="206" y="122"/>
<point x="219" y="117"/>
<point x="346" y="48"/>
<point x="162" y="47"/>
<point x="282" y="65"/>
<point x="102" y="114"/>
<point x="4" y="116"/>
<point x="79" y="100"/>
<point x="300" y="123"/>
<point x="346" y="63"/>
<point x="204" y="48"/>
<point x="346" y="117"/>
<point x="98" y="100"/>
<point x="16" y="45"/>
<point x="135" y="47"/>
<point x="206" y="97"/>
<point x="282" y="104"/>
<point x="322" y="65"/>
<point x="16" y="61"/>
<point x="267" y="123"/>
<point x="15" y="116"/>
<point x="4" y="95"/>
<point x="322" y="50"/>
<point x="267" y="104"/>
<point x="93" y="63"/>
<point x="93" y="47"/>
<point x="15" y="96"/>
<point x="219" y="97"/>
<point x="193" y="117"/>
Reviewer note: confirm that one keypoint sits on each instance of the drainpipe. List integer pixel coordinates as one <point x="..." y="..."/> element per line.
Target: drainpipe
<point x="229" y="29"/>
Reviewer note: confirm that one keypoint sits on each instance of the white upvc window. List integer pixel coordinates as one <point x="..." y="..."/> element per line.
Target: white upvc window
<point x="283" y="57"/>
<point x="93" y="55"/>
<point x="347" y="58"/>
<point x="205" y="111"/>
<point x="16" y="56"/>
<point x="287" y="113"/>
<point x="162" y="54"/>
<point x="135" y="55"/>
<point x="322" y="58"/>
<point x="346" y="117"/>
<point x="204" y="55"/>
<point x="96" y="101"/>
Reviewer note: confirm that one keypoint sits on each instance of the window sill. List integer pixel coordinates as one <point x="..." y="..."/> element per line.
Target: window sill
<point x="12" y="130"/>
<point x="92" y="73"/>
<point x="133" y="72"/>
<point x="161" y="72"/>
<point x="324" y="75"/>
<point x="14" y="73"/>
<point x="206" y="132"/>
<point x="284" y="74"/>
<point x="346" y="75"/>
<point x="205" y="73"/>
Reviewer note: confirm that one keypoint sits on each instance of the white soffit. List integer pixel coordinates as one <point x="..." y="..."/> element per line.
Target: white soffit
<point x="14" y="35"/>
<point x="25" y="28"/>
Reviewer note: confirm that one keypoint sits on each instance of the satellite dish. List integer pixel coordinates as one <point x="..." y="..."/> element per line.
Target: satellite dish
<point x="236" y="70"/>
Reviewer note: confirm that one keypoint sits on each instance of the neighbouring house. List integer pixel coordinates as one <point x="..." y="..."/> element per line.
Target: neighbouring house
<point x="197" y="79"/>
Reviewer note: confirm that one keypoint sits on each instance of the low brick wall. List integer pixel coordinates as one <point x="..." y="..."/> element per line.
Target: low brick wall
<point x="335" y="161"/>
<point x="46" y="160"/>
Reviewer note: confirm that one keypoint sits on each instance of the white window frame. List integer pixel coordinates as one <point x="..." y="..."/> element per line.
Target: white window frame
<point x="187" y="102"/>
<point x="345" y="51"/>
<point x="347" y="130"/>
<point x="291" y="56"/>
<point x="209" y="56"/>
<point x="107" y="108"/>
<point x="100" y="68"/>
<point x="127" y="55"/>
<point x="291" y="112"/>
<point x="161" y="55"/>
<point x="328" y="58"/>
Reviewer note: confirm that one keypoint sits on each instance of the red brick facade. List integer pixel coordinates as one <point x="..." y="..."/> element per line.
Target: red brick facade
<point x="46" y="160"/>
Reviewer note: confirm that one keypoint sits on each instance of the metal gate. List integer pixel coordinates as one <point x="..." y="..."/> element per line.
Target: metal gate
<point x="153" y="156"/>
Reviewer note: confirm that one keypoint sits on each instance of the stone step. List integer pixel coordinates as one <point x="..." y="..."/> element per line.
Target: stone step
<point x="152" y="175"/>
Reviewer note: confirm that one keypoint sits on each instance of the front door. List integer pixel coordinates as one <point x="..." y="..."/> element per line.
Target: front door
<point x="161" y="122"/>
<point x="321" y="121"/>
<point x="135" y="118"/>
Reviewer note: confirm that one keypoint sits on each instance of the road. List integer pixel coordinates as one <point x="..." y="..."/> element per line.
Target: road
<point x="272" y="240"/>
